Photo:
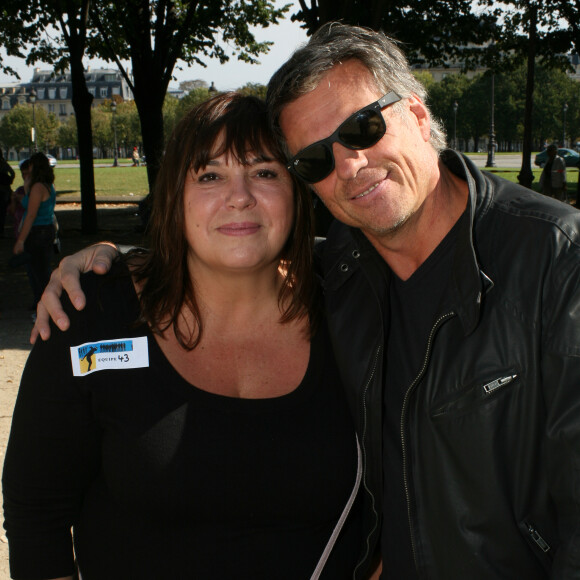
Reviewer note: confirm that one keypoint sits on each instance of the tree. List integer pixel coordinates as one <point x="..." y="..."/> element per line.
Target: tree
<point x="155" y="34"/>
<point x="443" y="96"/>
<point x="450" y="29"/>
<point x="254" y="89"/>
<point x="66" y="136"/>
<point x="570" y="11"/>
<point x="67" y="19"/>
<point x="532" y="29"/>
<point x="128" y="126"/>
<point x="102" y="129"/>
<point x="15" y="128"/>
<point x="473" y="96"/>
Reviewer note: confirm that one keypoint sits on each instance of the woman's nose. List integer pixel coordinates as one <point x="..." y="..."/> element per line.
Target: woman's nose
<point x="240" y="194"/>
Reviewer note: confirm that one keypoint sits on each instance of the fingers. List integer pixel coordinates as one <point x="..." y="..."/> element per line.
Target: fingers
<point x="42" y="325"/>
<point x="97" y="258"/>
<point x="67" y="277"/>
<point x="50" y="307"/>
<point x="102" y="259"/>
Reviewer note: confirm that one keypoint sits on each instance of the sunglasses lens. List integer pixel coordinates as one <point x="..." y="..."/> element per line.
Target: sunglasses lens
<point x="362" y="130"/>
<point x="314" y="163"/>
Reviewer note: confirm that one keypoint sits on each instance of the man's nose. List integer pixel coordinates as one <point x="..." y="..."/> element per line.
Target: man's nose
<point x="348" y="162"/>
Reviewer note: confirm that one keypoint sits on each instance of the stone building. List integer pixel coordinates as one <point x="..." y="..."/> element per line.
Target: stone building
<point x="54" y="90"/>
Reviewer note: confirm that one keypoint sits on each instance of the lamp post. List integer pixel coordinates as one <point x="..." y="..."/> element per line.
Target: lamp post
<point x="455" y="107"/>
<point x="114" y="109"/>
<point x="32" y="99"/>
<point x="564" y="110"/>
<point x="491" y="144"/>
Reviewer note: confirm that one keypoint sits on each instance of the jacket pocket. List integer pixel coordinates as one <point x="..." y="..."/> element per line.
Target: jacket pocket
<point x="477" y="394"/>
<point x="539" y="544"/>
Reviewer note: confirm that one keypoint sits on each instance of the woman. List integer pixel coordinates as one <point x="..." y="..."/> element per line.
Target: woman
<point x="16" y="208"/>
<point x="37" y="233"/>
<point x="6" y="179"/>
<point x="194" y="424"/>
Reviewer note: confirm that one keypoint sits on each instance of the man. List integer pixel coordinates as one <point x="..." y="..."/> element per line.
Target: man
<point x="553" y="178"/>
<point x="453" y="298"/>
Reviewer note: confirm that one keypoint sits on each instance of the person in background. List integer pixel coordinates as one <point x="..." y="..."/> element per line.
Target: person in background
<point x="135" y="157"/>
<point x="553" y="177"/>
<point x="16" y="209"/>
<point x="193" y="423"/>
<point x="453" y="302"/>
<point x="6" y="179"/>
<point x="37" y="232"/>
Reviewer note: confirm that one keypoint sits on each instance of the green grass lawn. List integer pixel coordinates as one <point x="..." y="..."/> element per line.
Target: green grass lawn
<point x="109" y="181"/>
<point x="512" y="175"/>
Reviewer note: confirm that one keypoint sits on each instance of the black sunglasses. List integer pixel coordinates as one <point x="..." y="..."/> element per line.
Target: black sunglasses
<point x="361" y="130"/>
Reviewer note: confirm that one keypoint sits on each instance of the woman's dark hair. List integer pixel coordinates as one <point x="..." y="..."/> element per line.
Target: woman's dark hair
<point x="239" y="125"/>
<point x="24" y="164"/>
<point x="41" y="172"/>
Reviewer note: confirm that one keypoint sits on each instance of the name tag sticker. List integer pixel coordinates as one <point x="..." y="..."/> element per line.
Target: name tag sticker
<point x="119" y="354"/>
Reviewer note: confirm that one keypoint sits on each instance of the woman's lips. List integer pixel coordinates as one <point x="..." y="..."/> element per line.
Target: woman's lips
<point x="239" y="229"/>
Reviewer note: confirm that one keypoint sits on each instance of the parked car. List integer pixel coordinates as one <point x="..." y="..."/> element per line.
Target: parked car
<point x="571" y="157"/>
<point x="51" y="160"/>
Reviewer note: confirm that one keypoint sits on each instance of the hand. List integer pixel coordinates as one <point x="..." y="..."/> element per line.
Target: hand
<point x="18" y="247"/>
<point x="97" y="258"/>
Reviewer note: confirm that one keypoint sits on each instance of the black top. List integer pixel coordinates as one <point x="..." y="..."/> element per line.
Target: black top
<point x="163" y="480"/>
<point x="414" y="305"/>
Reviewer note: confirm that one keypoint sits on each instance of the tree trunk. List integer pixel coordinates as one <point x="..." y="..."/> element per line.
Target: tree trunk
<point x="151" y="116"/>
<point x="82" y="101"/>
<point x="149" y="94"/>
<point x="526" y="176"/>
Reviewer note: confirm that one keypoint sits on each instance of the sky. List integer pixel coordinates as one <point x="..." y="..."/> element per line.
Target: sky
<point x="287" y="36"/>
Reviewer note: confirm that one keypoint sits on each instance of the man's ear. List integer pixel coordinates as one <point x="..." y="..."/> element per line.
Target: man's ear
<point x="420" y="112"/>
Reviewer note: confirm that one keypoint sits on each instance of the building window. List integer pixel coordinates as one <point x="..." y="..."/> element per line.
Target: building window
<point x="6" y="104"/>
<point x="93" y="91"/>
<point x="52" y="94"/>
<point x="62" y="108"/>
<point x="40" y="93"/>
<point x="116" y="90"/>
<point x="51" y="108"/>
<point x="62" y="92"/>
<point x="104" y="92"/>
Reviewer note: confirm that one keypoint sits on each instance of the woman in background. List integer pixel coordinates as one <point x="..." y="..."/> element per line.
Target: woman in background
<point x="37" y="231"/>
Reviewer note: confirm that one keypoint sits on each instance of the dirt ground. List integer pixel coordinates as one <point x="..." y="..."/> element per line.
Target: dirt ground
<point x="117" y="222"/>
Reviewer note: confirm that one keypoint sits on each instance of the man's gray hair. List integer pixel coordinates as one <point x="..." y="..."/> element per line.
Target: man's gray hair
<point x="336" y="43"/>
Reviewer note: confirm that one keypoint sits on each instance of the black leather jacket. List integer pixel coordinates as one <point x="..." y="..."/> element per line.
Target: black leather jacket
<point x="491" y="425"/>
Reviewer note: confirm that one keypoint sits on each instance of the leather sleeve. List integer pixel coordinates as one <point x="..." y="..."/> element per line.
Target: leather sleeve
<point x="561" y="383"/>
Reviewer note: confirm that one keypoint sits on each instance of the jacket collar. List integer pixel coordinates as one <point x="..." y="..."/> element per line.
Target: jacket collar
<point x="468" y="282"/>
<point x="347" y="249"/>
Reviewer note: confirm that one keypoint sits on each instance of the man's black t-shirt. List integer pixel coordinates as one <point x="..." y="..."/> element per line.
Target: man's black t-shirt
<point x="414" y="305"/>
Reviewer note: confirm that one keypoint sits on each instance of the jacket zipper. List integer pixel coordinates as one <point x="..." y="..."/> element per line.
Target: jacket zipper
<point x="434" y="329"/>
<point x="540" y="542"/>
<point x="363" y="439"/>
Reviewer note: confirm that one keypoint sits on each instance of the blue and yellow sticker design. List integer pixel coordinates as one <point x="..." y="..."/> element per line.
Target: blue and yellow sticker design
<point x="117" y="354"/>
